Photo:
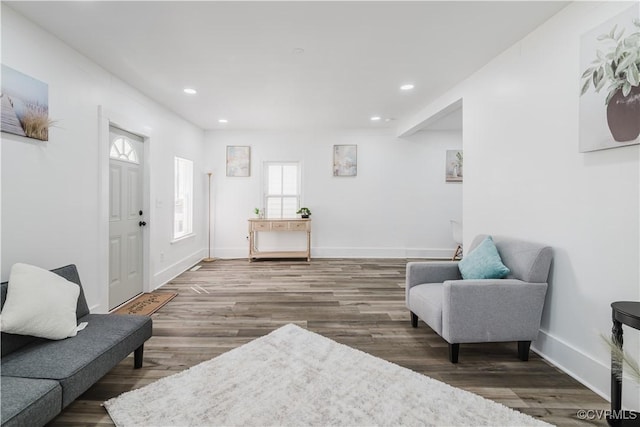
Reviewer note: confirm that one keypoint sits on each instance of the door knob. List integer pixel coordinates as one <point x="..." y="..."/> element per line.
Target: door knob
<point x="142" y="223"/>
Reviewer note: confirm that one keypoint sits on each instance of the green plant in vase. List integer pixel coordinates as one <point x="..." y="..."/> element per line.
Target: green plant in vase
<point x="618" y="66"/>
<point x="304" y="212"/>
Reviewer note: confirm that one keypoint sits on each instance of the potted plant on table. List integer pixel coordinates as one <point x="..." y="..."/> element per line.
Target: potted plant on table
<point x="304" y="212"/>
<point x="619" y="67"/>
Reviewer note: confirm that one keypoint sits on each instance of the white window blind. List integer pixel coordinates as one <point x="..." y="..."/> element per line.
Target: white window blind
<point x="282" y="189"/>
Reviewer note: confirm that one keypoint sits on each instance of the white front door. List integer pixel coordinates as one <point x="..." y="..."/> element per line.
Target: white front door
<point x="126" y="218"/>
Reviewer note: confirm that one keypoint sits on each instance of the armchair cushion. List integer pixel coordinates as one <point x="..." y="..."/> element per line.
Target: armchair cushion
<point x="528" y="261"/>
<point x="483" y="262"/>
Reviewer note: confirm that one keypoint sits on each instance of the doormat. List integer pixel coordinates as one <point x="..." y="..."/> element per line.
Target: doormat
<point x="146" y="304"/>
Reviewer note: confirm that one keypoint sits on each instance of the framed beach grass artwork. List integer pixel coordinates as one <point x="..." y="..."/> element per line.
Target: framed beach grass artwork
<point x="25" y="105"/>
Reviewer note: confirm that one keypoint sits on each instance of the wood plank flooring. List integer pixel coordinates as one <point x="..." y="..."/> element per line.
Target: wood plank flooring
<point x="359" y="303"/>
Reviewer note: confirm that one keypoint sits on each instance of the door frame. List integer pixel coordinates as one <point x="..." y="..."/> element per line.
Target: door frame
<point x="108" y="118"/>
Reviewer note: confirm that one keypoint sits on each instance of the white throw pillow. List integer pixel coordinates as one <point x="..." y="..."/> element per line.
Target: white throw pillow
<point x="39" y="303"/>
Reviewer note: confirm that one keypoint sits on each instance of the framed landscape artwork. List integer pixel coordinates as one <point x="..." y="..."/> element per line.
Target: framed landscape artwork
<point x="453" y="166"/>
<point x="610" y="83"/>
<point x="238" y="161"/>
<point x="345" y="160"/>
<point x="25" y="105"/>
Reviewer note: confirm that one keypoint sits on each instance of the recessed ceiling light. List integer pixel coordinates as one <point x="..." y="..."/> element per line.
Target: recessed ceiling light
<point x="190" y="91"/>
<point x="375" y="118"/>
<point x="223" y="121"/>
<point x="408" y="86"/>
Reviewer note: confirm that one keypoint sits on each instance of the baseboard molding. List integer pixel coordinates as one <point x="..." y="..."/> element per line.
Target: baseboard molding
<point x="333" y="252"/>
<point x="359" y="252"/>
<point x="592" y="373"/>
<point x="165" y="276"/>
<point x="230" y="253"/>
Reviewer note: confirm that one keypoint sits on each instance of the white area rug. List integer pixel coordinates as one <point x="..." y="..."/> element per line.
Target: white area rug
<point x="293" y="377"/>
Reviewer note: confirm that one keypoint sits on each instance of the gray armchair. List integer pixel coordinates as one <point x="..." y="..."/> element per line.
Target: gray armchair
<point x="487" y="310"/>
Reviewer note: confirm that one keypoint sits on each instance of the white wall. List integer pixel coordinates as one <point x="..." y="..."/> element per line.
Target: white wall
<point x="397" y="206"/>
<point x="524" y="177"/>
<point x="52" y="192"/>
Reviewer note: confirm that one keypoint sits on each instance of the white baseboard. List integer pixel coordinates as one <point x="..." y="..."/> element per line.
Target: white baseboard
<point x="164" y="276"/>
<point x="592" y="373"/>
<point x="230" y="253"/>
<point x="329" y="252"/>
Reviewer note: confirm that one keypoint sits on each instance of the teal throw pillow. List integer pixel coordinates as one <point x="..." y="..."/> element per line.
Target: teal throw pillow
<point x="483" y="262"/>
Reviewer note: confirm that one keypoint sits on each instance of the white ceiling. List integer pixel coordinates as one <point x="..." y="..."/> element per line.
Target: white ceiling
<point x="241" y="57"/>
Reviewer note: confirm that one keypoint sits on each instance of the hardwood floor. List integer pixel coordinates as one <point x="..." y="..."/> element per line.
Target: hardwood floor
<point x="359" y="303"/>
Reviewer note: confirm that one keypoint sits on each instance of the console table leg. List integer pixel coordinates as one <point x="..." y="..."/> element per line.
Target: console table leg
<point x="616" y="369"/>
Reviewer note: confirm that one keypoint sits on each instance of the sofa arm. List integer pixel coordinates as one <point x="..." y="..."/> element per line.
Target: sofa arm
<point x="491" y="310"/>
<point x="429" y="272"/>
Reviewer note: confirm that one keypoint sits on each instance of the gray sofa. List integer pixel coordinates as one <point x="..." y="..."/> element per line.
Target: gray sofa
<point x="41" y="377"/>
<point x="487" y="310"/>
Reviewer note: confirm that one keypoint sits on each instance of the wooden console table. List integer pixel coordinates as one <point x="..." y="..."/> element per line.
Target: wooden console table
<point x="283" y="225"/>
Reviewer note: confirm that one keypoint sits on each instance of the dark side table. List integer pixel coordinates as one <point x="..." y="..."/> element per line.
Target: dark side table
<point x="622" y="313"/>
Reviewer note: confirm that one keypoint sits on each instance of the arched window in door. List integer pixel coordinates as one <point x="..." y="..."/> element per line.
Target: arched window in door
<point x="121" y="149"/>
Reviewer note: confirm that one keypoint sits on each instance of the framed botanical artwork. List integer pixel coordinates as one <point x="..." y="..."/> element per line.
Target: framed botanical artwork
<point x="238" y="160"/>
<point x="453" y="166"/>
<point x="25" y="105"/>
<point x="345" y="160"/>
<point x="610" y="83"/>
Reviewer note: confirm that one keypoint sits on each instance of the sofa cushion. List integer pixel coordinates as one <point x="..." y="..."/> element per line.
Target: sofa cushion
<point x="39" y="303"/>
<point x="483" y="262"/>
<point x="82" y="360"/>
<point x="70" y="272"/>
<point x="29" y="402"/>
<point x="12" y="342"/>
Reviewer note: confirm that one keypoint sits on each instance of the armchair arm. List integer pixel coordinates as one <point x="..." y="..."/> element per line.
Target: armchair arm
<point x="491" y="310"/>
<point x="430" y="272"/>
